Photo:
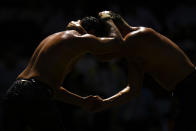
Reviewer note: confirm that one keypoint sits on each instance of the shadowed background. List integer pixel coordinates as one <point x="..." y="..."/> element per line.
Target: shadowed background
<point x="24" y="23"/>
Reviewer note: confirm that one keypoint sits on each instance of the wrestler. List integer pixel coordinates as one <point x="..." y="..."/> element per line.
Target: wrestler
<point x="149" y="52"/>
<point x="29" y="101"/>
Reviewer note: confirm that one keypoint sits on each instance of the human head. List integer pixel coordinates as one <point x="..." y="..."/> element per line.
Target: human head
<point x="93" y="26"/>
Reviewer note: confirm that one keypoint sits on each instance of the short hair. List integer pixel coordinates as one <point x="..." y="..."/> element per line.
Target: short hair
<point x="92" y="23"/>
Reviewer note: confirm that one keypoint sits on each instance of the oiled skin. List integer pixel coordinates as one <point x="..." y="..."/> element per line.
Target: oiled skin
<point x="147" y="52"/>
<point x="56" y="55"/>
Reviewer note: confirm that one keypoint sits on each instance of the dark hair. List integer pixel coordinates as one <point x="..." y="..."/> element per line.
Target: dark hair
<point x="91" y="23"/>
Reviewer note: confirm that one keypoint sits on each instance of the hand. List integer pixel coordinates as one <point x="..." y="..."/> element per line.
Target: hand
<point x="92" y="103"/>
<point x="76" y="25"/>
<point x="105" y="15"/>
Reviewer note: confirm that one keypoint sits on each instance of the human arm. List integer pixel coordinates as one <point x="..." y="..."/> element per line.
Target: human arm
<point x="120" y="23"/>
<point x="111" y="41"/>
<point x="132" y="90"/>
<point x="66" y="96"/>
<point x="112" y="29"/>
<point x="103" y="45"/>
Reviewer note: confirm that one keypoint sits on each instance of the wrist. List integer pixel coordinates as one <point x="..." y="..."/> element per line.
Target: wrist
<point x="105" y="16"/>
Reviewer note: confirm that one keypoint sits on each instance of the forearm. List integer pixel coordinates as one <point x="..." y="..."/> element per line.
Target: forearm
<point x="68" y="97"/>
<point x="112" y="43"/>
<point x="112" y="29"/>
<point x="124" y="96"/>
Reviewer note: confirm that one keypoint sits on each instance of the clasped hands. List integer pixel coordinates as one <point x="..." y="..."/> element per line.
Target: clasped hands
<point x="105" y="15"/>
<point x="94" y="103"/>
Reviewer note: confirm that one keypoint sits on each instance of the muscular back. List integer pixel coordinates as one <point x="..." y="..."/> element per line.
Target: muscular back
<point x="54" y="58"/>
<point x="158" y="56"/>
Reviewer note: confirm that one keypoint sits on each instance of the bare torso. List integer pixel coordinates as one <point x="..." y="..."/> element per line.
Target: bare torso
<point x="159" y="57"/>
<point x="53" y="59"/>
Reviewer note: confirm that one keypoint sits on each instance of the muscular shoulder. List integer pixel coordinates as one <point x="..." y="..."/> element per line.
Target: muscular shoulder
<point x="139" y="31"/>
<point x="74" y="35"/>
<point x="63" y="37"/>
<point x="139" y="35"/>
<point x="138" y="39"/>
<point x="71" y="38"/>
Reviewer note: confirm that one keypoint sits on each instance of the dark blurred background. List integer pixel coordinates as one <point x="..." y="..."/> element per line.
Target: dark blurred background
<point x="24" y="23"/>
